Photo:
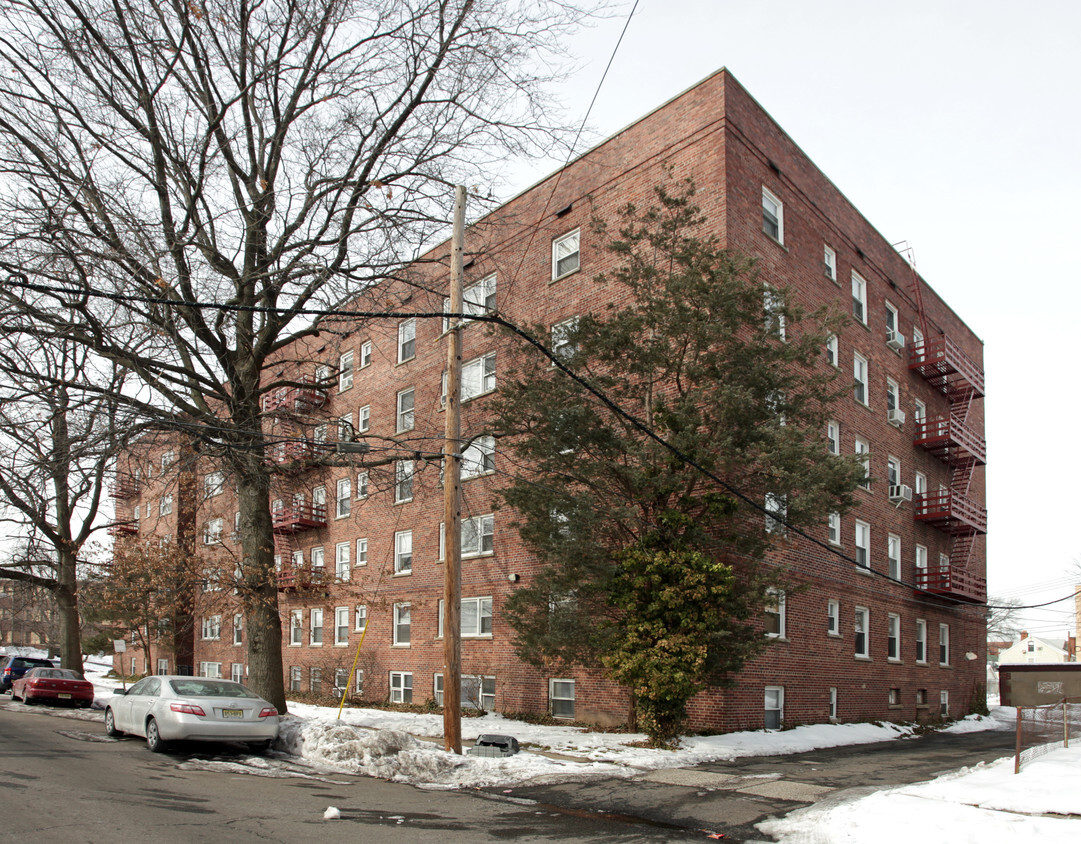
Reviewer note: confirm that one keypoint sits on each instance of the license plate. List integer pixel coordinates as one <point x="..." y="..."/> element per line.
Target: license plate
<point x="232" y="713"/>
<point x="64" y="696"/>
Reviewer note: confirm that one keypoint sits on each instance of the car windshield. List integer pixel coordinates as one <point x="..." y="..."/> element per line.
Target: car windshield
<point x="210" y="688"/>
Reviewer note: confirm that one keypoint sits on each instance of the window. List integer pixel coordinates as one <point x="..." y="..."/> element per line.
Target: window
<point x="479" y="458"/>
<point x="403" y="552"/>
<point x="238" y="629"/>
<point x="474" y="693"/>
<point x="772" y="216"/>
<point x="773" y="305"/>
<point x="835" y="528"/>
<point x="341" y="681"/>
<point x="295" y="678"/>
<point x="833" y="617"/>
<point x="403" y="481"/>
<point x="776" y="513"/>
<point x="921" y="483"/>
<point x="921" y="697"/>
<point x="165" y="505"/>
<point x="212" y="531"/>
<point x="341" y="561"/>
<point x="893" y="637"/>
<point x="859" y="375"/>
<point x="167" y="460"/>
<point x="477" y="535"/>
<point x="892" y="327"/>
<point x="476" y="300"/>
<point x="893" y="471"/>
<point x="316" y="682"/>
<point x="318" y="558"/>
<point x="405" y="410"/>
<point x="236" y="672"/>
<point x="919" y="412"/>
<point x="402" y="624"/>
<point x="319" y="499"/>
<point x="943" y="704"/>
<point x="829" y="261"/>
<point x="921" y="559"/>
<point x="893" y="554"/>
<point x="561" y="698"/>
<point x="407" y="340"/>
<point x="341" y="625"/>
<point x="565" y="254"/>
<point x="943" y="644"/>
<point x="163" y="666"/>
<point x="921" y="640"/>
<point x="833" y="704"/>
<point x="214" y="484"/>
<point x="362" y="485"/>
<point x="774" y="713"/>
<point x="401" y="687"/>
<point x="478" y="376"/>
<point x="212" y="627"/>
<point x="775" y="614"/>
<point x="360" y="618"/>
<point x="894" y="698"/>
<point x="316" y="627"/>
<point x="832" y="351"/>
<point x="863" y="628"/>
<point x="917" y="340"/>
<point x="476" y="615"/>
<point x="365" y="353"/>
<point x="346" y="434"/>
<point x="344" y="492"/>
<point x="364" y="419"/>
<point x="210" y="669"/>
<point x="358" y="682"/>
<point x="345" y="372"/>
<point x="319" y="435"/>
<point x="863" y="544"/>
<point x="859" y="297"/>
<point x="362" y="552"/>
<point x="833" y="436"/>
<point x="864" y="449"/>
<point x="562" y="341"/>
<point x="893" y="400"/>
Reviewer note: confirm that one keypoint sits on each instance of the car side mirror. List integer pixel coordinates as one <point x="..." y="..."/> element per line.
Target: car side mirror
<point x="120" y="691"/>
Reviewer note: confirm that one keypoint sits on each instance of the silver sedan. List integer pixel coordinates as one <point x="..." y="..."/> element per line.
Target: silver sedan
<point x="173" y="708"/>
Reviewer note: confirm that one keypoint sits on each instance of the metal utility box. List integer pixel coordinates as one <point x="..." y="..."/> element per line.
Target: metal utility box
<point x="494" y="746"/>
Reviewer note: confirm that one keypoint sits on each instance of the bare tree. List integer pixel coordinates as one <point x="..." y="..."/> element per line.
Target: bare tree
<point x="1003" y="623"/>
<point x="56" y="442"/>
<point x="190" y="179"/>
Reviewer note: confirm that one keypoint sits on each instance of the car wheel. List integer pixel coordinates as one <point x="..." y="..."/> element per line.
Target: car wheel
<point x="110" y="725"/>
<point x="154" y="740"/>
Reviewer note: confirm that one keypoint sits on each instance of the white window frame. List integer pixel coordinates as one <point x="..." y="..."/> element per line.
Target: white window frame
<point x="362" y="553"/>
<point x="315" y="679"/>
<point x="921" y="558"/>
<point x="360" y="618"/>
<point x="406" y="412"/>
<point x="212" y="628"/>
<point x="477" y="299"/>
<point x="296" y="678"/>
<point x="365" y="354"/>
<point x="833" y="351"/>
<point x="775" y="606"/>
<point x="165" y="505"/>
<point x="563" y="349"/>
<point x="236" y="672"/>
<point x="566" y="249"/>
<point x="402" y="629"/>
<point x="345" y="371"/>
<point x="944" y="704"/>
<point x="833" y="436"/>
<point x="214" y="484"/>
<point x="773" y="702"/>
<point x="862" y="539"/>
<point x="238" y="628"/>
<point x="834" y="525"/>
<point x="920" y="487"/>
<point x="893" y="637"/>
<point x="862" y="447"/>
<point x="362" y="485"/>
<point x="407" y="340"/>
<point x="479" y="458"/>
<point x="211" y="670"/>
<point x="833" y="617"/>
<point x="318" y="557"/>
<point x="772" y="215"/>
<point x="341" y="561"/>
<point x="479" y="609"/>
<point x="403" y="552"/>
<point x="859" y="298"/>
<point x="478" y="377"/>
<point x="213" y="531"/>
<point x="167" y="458"/>
<point x="401" y="686"/>
<point x="776" y="507"/>
<point x="861" y="391"/>
<point x="833" y="704"/>
<point x="315" y="628"/>
<point x="341" y="626"/>
<point x="343" y="489"/>
<point x="893" y="470"/>
<point x="921" y="641"/>
<point x="829" y="262"/>
<point x="943" y="644"/>
<point x="893" y="555"/>
<point x="403" y="481"/>
<point x="296" y="628"/>
<point x="772" y="305"/>
<point x="919" y="412"/>
<point x="364" y="419"/>
<point x="893" y="320"/>
<point x="862" y="627"/>
<point x="482" y="530"/>
<point x="561" y="692"/>
<point x="893" y="395"/>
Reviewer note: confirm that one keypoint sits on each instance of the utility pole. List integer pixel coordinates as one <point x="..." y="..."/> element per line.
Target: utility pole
<point x="452" y="496"/>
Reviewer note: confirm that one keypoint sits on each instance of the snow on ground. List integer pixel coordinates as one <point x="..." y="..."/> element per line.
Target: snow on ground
<point x="987" y="802"/>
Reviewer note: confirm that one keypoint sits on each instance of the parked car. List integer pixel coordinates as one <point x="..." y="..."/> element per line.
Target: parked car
<point x="59" y="685"/>
<point x="174" y="708"/>
<point x="13" y="667"/>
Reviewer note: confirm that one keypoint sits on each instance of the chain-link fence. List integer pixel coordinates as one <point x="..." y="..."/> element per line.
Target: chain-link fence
<point x="1041" y="729"/>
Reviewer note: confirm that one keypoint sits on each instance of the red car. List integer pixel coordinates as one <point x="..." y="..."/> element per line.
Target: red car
<point x="57" y="685"/>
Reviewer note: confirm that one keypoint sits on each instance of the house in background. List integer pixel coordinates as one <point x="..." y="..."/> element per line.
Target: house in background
<point x="1032" y="649"/>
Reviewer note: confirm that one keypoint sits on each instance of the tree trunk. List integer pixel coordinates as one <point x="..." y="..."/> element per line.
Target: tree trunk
<point x="67" y="602"/>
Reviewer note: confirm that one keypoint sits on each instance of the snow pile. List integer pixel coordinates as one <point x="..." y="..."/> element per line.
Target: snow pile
<point x="987" y="802"/>
<point x="332" y="814"/>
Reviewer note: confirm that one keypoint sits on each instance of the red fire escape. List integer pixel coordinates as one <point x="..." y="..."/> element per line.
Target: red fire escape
<point x="953" y="440"/>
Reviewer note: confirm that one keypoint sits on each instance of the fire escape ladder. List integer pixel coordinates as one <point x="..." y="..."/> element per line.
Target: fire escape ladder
<point x="961" y="550"/>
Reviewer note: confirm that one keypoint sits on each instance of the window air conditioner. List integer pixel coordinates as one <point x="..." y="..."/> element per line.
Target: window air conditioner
<point x="895" y="339"/>
<point x="896" y="417"/>
<point x="900" y="492"/>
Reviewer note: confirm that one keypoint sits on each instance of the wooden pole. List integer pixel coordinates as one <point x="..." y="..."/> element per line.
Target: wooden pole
<point x="452" y="495"/>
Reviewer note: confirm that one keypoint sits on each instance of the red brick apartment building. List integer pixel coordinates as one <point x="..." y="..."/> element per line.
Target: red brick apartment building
<point x="894" y="632"/>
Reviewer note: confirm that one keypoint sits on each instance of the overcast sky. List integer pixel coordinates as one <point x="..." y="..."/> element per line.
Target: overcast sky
<point x="954" y="125"/>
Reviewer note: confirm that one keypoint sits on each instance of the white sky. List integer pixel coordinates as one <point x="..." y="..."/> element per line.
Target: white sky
<point x="951" y="124"/>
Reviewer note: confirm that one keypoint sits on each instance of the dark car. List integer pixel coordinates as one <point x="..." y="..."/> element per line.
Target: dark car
<point x="13" y="667"/>
<point x="53" y="685"/>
